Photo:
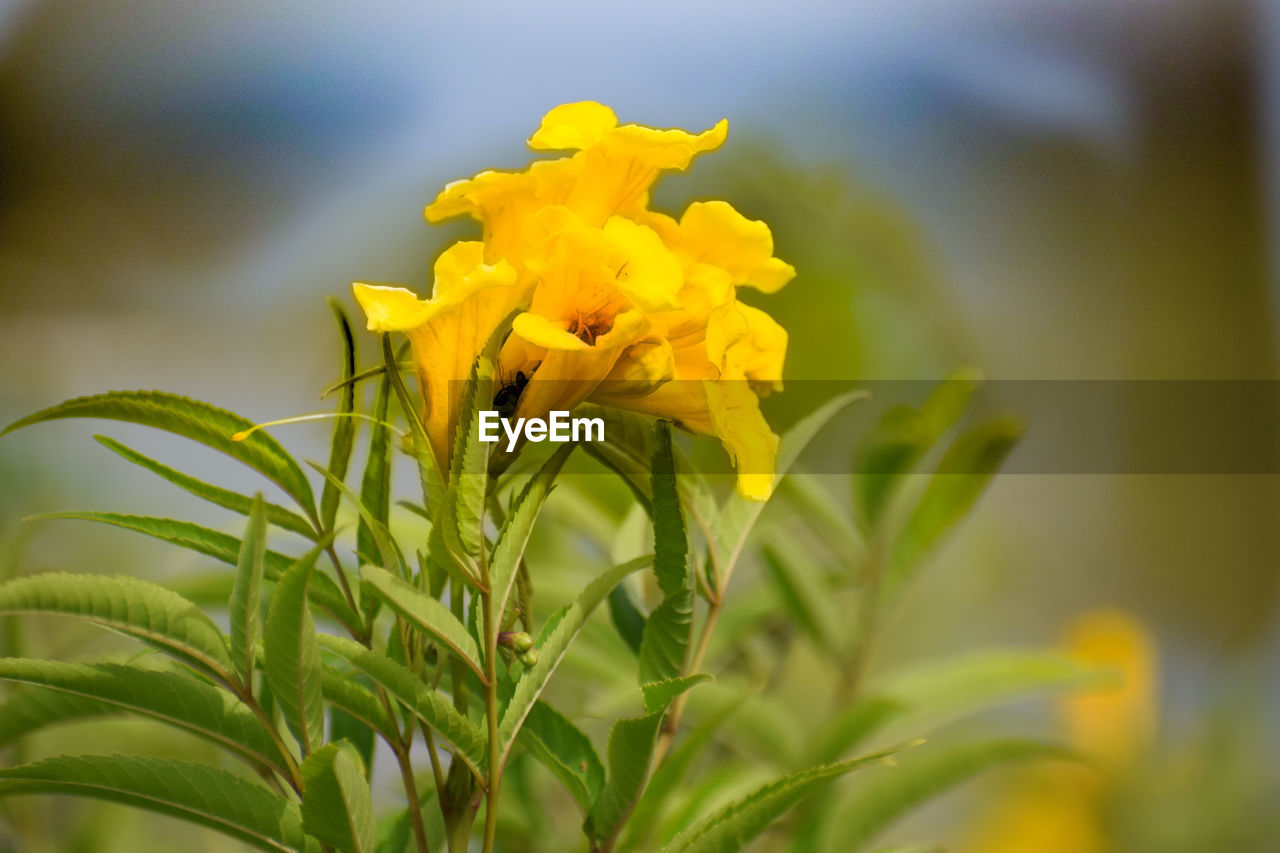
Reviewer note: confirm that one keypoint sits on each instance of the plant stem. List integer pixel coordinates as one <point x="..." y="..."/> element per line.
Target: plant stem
<point x="411" y="791"/>
<point x="491" y="716"/>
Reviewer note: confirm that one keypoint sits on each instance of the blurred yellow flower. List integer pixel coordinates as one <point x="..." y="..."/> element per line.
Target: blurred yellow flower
<point x="1061" y="809"/>
<point x="619" y="305"/>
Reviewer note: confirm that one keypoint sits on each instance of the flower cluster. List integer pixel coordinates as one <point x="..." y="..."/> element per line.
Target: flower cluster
<point x="618" y="304"/>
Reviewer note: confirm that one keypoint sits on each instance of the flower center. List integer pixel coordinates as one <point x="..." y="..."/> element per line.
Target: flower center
<point x="588" y="327"/>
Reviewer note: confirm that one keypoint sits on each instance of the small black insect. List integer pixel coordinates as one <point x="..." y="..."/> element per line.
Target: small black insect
<point x="504" y="402"/>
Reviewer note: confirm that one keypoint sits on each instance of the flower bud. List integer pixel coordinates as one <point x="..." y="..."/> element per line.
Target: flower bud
<point x="529" y="657"/>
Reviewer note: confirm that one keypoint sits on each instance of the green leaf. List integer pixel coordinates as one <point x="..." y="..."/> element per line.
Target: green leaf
<point x="220" y="546"/>
<point x="170" y="697"/>
<point x="375" y="486"/>
<point x="420" y="699"/>
<point x="665" y="643"/>
<point x="279" y="516"/>
<point x="553" y="645"/>
<point x="514" y="536"/>
<point x="802" y="593"/>
<point x="188" y="790"/>
<point x="142" y="610"/>
<point x="630" y="752"/>
<point x="961" y="478"/>
<point x="671" y="545"/>
<point x="739" y="514"/>
<point x="564" y="750"/>
<point x="732" y="827"/>
<point x="27" y="711"/>
<point x="669" y="774"/>
<point x="387" y="550"/>
<point x="194" y="420"/>
<point x="356" y="701"/>
<point x="337" y="806"/>
<point x="933" y="772"/>
<point x="292" y="656"/>
<point x="660" y="694"/>
<point x="344" y="428"/>
<point x="626" y="617"/>
<point x="426" y="613"/>
<point x="428" y="470"/>
<point x="899" y="440"/>
<point x="246" y="595"/>
<point x="924" y="696"/>
<point x="463" y="514"/>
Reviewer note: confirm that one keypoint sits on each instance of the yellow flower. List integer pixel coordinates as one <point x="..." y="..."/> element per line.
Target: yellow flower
<point x="620" y="305"/>
<point x="611" y="173"/>
<point x="1062" y="808"/>
<point x="447" y="332"/>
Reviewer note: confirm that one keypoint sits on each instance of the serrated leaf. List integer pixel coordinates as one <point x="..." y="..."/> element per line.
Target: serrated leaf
<point x="140" y="609"/>
<point x="670" y="543"/>
<point x="426" y="613"/>
<point x="357" y="701"/>
<point x="220" y="546"/>
<point x="668" y="775"/>
<point x="960" y="479"/>
<point x="553" y="644"/>
<point x="630" y="752"/>
<point x="739" y="514"/>
<point x="564" y="750"/>
<point x="732" y="827"/>
<point x="246" y="594"/>
<point x="292" y="656"/>
<point x="664" y="645"/>
<point x="463" y="514"/>
<point x="933" y="772"/>
<point x="192" y="419"/>
<point x="660" y="694"/>
<point x="283" y="518"/>
<point x="337" y="806"/>
<point x="410" y="691"/>
<point x="513" y="538"/>
<point x="344" y="428"/>
<point x="188" y="790"/>
<point x="169" y="697"/>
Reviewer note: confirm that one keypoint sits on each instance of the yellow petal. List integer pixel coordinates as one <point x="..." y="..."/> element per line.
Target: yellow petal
<point x="447" y="333"/>
<point x="549" y="334"/>
<point x="645" y="269"/>
<point x="641" y="368"/>
<point x="742" y="429"/>
<point x="663" y="149"/>
<point x="565" y="377"/>
<point x="746" y="343"/>
<point x="714" y="232"/>
<point x="578" y="125"/>
<point x="391" y="309"/>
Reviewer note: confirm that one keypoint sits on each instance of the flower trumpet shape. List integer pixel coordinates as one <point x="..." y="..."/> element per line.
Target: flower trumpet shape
<point x="617" y="304"/>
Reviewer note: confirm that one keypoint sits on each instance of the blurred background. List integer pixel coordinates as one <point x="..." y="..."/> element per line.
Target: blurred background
<point x="1052" y="192"/>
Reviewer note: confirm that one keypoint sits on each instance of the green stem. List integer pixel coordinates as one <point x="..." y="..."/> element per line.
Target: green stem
<point x="411" y="791"/>
<point x="491" y="715"/>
